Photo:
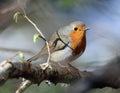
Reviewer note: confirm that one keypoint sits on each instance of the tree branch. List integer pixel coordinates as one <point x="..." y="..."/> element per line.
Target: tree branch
<point x="107" y="76"/>
<point x="56" y="74"/>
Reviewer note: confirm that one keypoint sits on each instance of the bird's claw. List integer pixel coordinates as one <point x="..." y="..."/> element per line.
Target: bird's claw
<point x="45" y="66"/>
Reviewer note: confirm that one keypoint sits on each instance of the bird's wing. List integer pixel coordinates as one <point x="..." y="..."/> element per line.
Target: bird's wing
<point x="57" y="42"/>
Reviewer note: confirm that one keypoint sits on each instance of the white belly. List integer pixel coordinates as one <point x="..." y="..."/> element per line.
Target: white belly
<point x="61" y="55"/>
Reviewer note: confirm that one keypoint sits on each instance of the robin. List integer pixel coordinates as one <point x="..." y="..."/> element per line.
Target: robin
<point x="66" y="44"/>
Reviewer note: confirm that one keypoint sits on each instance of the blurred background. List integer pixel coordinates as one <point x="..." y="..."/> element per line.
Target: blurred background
<point x="103" y="41"/>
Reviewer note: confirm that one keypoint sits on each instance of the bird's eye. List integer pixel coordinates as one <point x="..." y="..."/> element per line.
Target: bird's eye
<point x="75" y="28"/>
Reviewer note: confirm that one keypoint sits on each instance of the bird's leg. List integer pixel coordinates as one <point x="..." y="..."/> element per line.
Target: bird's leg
<point x="45" y="65"/>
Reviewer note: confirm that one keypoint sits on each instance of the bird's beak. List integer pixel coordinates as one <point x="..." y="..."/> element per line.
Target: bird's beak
<point x="86" y="29"/>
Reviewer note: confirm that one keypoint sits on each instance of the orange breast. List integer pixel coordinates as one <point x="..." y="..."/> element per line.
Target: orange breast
<point x="78" y="42"/>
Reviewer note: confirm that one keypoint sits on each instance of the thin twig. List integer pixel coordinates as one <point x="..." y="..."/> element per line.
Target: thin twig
<point x="25" y="84"/>
<point x="16" y="54"/>
<point x="43" y="37"/>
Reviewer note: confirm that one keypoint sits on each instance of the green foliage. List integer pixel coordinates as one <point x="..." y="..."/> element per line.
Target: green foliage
<point x="36" y="37"/>
<point x="15" y="16"/>
<point x="21" y="56"/>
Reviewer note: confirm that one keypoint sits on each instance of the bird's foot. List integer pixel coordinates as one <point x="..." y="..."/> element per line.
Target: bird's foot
<point x="45" y="66"/>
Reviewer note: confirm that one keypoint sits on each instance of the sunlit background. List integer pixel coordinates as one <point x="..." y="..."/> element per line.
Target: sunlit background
<point x="103" y="41"/>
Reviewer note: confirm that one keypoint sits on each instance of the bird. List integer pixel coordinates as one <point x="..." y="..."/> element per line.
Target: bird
<point x="66" y="44"/>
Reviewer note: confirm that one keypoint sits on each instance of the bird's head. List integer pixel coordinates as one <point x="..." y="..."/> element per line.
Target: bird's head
<point x="78" y="37"/>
